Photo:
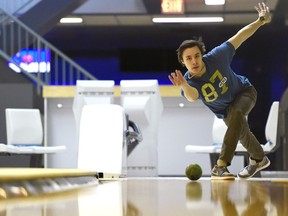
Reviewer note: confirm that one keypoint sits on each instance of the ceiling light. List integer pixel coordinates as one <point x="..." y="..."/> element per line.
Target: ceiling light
<point x="214" y="2"/>
<point x="71" y="20"/>
<point x="187" y="19"/>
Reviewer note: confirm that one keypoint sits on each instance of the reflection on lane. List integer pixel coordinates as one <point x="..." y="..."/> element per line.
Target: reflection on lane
<point x="156" y="197"/>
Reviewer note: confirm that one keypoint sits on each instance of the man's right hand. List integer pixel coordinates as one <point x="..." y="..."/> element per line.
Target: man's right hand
<point x="177" y="78"/>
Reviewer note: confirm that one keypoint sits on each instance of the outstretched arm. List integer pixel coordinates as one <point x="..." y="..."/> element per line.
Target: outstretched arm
<point x="190" y="92"/>
<point x="247" y="31"/>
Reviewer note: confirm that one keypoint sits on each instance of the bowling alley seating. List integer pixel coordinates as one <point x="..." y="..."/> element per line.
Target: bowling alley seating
<point x="25" y="135"/>
<point x="219" y="129"/>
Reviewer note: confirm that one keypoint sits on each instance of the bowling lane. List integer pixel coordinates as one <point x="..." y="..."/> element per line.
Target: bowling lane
<point x="157" y="197"/>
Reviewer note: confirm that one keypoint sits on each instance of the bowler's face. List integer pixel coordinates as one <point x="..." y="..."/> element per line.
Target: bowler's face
<point x="192" y="59"/>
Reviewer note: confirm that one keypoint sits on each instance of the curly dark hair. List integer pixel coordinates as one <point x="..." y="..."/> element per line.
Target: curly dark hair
<point x="189" y="44"/>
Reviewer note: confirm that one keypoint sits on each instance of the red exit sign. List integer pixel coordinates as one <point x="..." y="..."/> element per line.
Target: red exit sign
<point x="172" y="6"/>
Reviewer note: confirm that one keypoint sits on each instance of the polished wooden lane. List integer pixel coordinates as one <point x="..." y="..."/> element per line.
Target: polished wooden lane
<point x="158" y="197"/>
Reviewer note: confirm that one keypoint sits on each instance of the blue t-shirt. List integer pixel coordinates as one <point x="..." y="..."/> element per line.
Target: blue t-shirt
<point x="219" y="85"/>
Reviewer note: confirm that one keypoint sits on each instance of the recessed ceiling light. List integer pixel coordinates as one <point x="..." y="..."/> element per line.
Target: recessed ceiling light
<point x="186" y="19"/>
<point x="71" y="20"/>
<point x="214" y="2"/>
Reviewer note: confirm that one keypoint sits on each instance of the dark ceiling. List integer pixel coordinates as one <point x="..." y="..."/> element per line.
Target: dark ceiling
<point x="132" y="30"/>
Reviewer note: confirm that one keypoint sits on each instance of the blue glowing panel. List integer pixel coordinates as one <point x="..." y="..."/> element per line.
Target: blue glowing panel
<point x="31" y="60"/>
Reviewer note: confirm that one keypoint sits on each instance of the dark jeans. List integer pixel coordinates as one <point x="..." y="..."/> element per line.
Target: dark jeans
<point x="238" y="128"/>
